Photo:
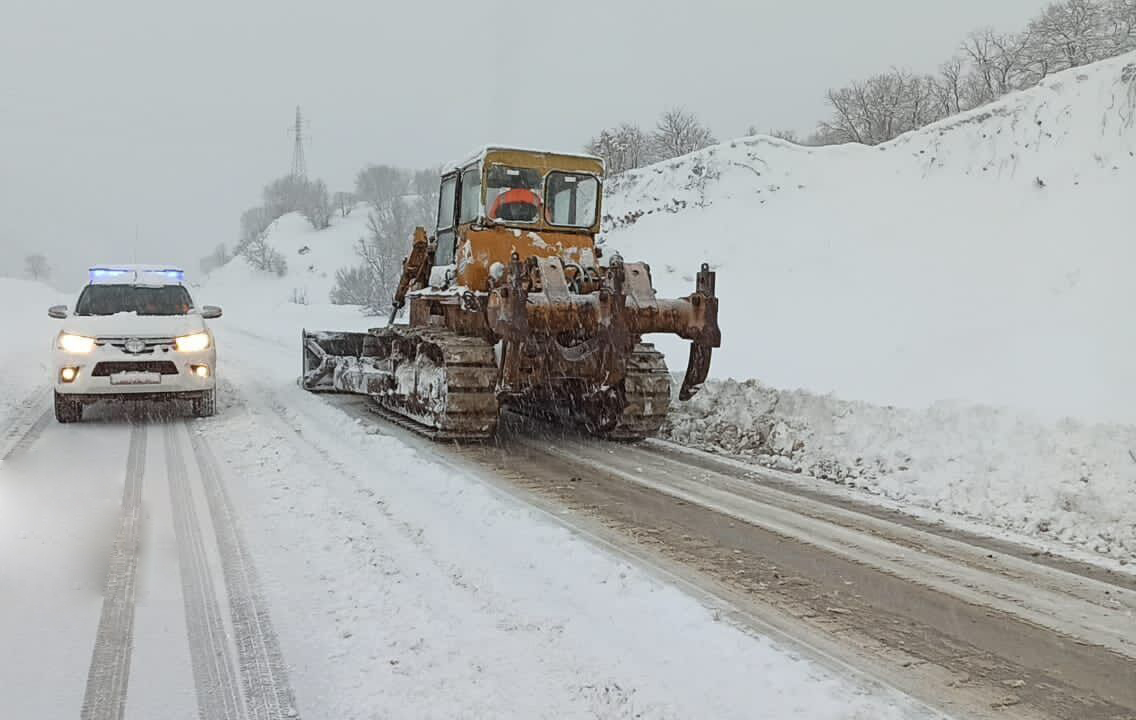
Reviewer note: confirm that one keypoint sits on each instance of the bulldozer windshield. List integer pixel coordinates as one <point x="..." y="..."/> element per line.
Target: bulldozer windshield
<point x="513" y="194"/>
<point x="571" y="199"/>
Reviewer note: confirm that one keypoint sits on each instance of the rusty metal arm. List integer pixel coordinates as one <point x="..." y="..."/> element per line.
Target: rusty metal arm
<point x="705" y="303"/>
<point x="415" y="270"/>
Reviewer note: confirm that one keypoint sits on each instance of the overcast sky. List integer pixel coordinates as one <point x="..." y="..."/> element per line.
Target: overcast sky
<point x="165" y="119"/>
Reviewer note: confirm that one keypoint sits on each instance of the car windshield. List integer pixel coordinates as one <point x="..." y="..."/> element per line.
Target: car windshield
<point x="143" y="300"/>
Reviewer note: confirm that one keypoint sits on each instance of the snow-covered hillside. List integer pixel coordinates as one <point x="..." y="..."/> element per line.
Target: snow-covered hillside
<point x="987" y="258"/>
<point x="312" y="256"/>
<point x="276" y="308"/>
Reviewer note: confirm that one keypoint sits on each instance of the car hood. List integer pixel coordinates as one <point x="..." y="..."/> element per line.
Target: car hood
<point x="131" y="325"/>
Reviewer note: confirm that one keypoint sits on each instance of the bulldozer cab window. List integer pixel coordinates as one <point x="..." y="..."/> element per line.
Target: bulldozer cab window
<point x="512" y="195"/>
<point x="447" y="196"/>
<point x="446" y="202"/>
<point x="470" y="196"/>
<point x="571" y="199"/>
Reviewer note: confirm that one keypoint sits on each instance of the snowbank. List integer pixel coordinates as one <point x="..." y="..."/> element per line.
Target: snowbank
<point x="1069" y="482"/>
<point x="986" y="258"/>
<point x="25" y="353"/>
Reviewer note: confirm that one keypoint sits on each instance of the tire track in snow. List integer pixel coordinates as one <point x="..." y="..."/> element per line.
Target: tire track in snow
<point x="31" y="418"/>
<point x="218" y="696"/>
<point x="105" y="695"/>
<point x="268" y="692"/>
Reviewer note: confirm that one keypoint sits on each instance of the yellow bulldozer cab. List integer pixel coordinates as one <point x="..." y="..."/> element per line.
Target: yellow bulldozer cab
<point x="506" y="200"/>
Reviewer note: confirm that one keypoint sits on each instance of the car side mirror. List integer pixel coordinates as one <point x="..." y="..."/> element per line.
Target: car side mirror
<point x="209" y="312"/>
<point x="59" y="312"/>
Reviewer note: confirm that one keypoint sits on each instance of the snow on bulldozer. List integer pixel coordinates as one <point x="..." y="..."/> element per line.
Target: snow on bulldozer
<point x="509" y="305"/>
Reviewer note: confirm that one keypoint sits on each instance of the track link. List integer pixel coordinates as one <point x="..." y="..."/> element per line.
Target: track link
<point x="443" y="384"/>
<point x="647" y="388"/>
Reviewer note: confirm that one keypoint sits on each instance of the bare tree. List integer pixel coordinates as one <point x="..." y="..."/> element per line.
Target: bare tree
<point x="295" y="194"/>
<point x="390" y="227"/>
<point x="623" y="148"/>
<point x="356" y="286"/>
<point x="254" y="223"/>
<point x="1120" y="18"/>
<point x="315" y="204"/>
<point x="999" y="63"/>
<point x="787" y="136"/>
<point x="344" y="202"/>
<point x="679" y="132"/>
<point x="283" y="195"/>
<point x="262" y="256"/>
<point x="378" y="183"/>
<point x="881" y="108"/>
<point x="948" y="87"/>
<point x="215" y="259"/>
<point x="1071" y="33"/>
<point x="37" y="267"/>
<point x="426" y="182"/>
<point x="1067" y="34"/>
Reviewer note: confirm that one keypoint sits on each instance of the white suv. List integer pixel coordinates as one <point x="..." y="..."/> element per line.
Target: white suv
<point x="134" y="334"/>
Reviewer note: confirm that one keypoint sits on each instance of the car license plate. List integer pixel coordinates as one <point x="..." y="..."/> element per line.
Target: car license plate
<point x="136" y="378"/>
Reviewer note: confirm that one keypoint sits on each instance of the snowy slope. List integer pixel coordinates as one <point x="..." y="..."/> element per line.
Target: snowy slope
<point x="277" y="308"/>
<point x="986" y="258"/>
<point x="313" y="257"/>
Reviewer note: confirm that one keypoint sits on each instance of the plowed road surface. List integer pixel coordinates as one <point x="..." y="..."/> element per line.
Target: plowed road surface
<point x="294" y="556"/>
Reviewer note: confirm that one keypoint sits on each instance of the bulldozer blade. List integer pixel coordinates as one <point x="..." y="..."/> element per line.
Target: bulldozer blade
<point x="697" y="368"/>
<point x="322" y="352"/>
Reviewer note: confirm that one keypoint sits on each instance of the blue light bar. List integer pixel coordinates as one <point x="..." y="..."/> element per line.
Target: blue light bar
<point x="104" y="274"/>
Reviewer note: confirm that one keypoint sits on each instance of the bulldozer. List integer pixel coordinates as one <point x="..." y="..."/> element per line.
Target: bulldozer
<point x="509" y="305"/>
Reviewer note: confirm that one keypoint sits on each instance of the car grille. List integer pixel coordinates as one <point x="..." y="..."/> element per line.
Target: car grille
<point x="151" y="344"/>
<point x="106" y="369"/>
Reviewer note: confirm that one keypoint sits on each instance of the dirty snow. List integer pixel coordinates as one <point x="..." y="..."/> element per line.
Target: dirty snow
<point x="1070" y="482"/>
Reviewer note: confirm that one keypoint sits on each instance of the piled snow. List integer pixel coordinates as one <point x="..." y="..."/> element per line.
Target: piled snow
<point x="1069" y="482"/>
<point x="986" y="258"/>
<point x="25" y="353"/>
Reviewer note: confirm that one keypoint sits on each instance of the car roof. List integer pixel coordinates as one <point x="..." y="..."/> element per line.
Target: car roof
<point x="134" y="274"/>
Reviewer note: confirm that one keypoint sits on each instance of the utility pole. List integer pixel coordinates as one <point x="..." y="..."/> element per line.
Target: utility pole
<point x="299" y="164"/>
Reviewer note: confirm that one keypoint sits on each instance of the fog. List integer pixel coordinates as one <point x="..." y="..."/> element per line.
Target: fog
<point x="139" y="130"/>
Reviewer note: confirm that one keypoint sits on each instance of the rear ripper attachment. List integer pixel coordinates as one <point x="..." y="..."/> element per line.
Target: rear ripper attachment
<point x="510" y="307"/>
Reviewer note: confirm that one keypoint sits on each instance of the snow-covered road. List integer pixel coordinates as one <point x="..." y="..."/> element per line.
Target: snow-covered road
<point x="127" y="587"/>
<point x="409" y="588"/>
<point x="283" y="560"/>
<point x="292" y="557"/>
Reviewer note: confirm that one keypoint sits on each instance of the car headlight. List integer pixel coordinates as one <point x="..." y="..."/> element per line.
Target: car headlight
<point x="192" y="343"/>
<point x="76" y="343"/>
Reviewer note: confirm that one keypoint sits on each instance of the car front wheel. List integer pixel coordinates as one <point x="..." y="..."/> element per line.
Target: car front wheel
<point x="205" y="405"/>
<point x="67" y="410"/>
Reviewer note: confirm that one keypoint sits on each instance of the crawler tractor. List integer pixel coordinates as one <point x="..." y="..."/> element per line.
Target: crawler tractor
<point x="509" y="305"/>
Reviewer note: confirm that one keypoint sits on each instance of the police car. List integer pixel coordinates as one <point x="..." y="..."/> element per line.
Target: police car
<point x="134" y="334"/>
